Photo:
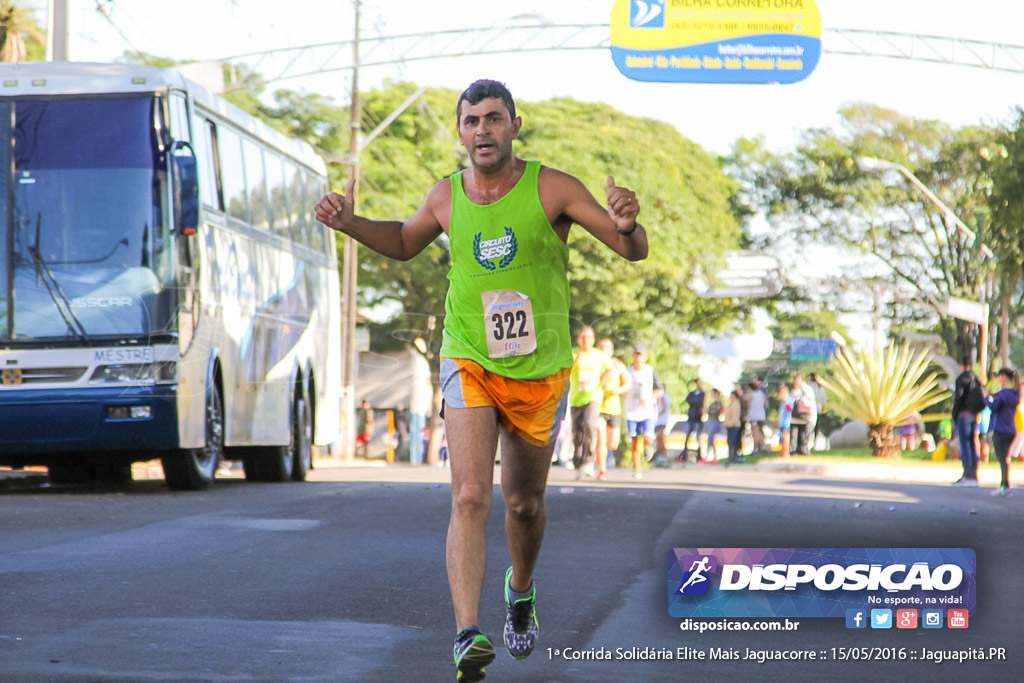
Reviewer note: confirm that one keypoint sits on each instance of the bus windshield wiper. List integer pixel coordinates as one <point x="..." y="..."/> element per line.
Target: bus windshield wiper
<point x="44" y="273"/>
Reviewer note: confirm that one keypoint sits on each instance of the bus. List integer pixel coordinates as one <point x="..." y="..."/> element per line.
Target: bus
<point x="165" y="292"/>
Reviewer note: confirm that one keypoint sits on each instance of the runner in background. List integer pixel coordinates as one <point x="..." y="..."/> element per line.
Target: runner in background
<point x="614" y="384"/>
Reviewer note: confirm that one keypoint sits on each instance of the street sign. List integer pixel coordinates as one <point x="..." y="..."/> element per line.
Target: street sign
<point x="716" y="41"/>
<point x="811" y="350"/>
<point x="965" y="309"/>
<point x="746" y="274"/>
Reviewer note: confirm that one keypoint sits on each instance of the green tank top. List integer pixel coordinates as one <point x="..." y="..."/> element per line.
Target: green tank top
<point x="508" y="295"/>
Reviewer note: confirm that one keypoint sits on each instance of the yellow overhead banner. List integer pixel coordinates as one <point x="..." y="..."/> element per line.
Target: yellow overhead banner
<point x="716" y="41"/>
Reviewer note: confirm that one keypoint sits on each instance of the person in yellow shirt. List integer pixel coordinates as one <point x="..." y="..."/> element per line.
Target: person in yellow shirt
<point x="589" y="366"/>
<point x="615" y="383"/>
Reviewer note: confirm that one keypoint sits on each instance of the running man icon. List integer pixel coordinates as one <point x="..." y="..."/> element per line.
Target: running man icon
<point x="697" y="570"/>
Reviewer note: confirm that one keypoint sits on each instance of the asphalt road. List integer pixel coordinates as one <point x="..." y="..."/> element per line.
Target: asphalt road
<point x="342" y="578"/>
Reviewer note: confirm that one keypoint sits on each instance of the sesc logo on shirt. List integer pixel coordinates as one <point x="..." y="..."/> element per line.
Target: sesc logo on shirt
<point x="504" y="249"/>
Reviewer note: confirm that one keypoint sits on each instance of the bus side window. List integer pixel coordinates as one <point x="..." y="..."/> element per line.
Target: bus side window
<point x="232" y="173"/>
<point x="278" y="194"/>
<point x="316" y="229"/>
<point x="256" y="183"/>
<point x="296" y="205"/>
<point x="209" y="173"/>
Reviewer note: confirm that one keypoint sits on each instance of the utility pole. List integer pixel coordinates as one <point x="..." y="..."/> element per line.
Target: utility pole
<point x="57" y="31"/>
<point x="350" y="265"/>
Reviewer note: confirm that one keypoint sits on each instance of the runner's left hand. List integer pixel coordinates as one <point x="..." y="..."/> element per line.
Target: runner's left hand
<point x="623" y="206"/>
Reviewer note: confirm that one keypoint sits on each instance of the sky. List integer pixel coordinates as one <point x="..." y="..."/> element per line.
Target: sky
<point x="714" y="116"/>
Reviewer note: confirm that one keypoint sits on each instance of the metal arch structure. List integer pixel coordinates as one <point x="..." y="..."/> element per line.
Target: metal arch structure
<point x="310" y="60"/>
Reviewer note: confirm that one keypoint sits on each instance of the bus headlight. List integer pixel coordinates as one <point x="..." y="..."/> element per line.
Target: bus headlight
<point x="133" y="373"/>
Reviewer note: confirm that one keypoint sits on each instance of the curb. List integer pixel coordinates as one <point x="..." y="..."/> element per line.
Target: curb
<point x="926" y="475"/>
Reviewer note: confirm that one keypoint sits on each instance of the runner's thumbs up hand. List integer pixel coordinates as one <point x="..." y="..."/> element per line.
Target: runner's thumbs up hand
<point x="623" y="206"/>
<point x="336" y="210"/>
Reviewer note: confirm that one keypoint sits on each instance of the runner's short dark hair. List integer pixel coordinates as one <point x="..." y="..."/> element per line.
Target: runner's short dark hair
<point x="482" y="90"/>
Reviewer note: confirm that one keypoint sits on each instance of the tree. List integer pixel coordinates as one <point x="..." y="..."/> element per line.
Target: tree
<point x="1006" y="234"/>
<point x="882" y="388"/>
<point x="818" y="194"/>
<point x="21" y="37"/>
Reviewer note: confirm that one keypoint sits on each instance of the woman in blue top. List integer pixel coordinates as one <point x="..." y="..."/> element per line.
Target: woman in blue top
<point x="1003" y="405"/>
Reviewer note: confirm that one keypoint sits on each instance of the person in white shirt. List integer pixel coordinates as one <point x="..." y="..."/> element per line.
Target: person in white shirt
<point x="640" y="407"/>
<point x="757" y="413"/>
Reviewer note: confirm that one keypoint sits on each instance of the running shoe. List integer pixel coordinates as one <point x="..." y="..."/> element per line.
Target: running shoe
<point x="1002" y="491"/>
<point x="473" y="651"/>
<point x="521" y="628"/>
<point x="602" y="476"/>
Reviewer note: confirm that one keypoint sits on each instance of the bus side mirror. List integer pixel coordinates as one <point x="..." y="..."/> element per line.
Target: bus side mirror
<point x="186" y="189"/>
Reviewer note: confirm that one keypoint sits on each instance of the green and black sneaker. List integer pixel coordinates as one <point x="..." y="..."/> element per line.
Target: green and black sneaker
<point x="521" y="628"/>
<point x="473" y="651"/>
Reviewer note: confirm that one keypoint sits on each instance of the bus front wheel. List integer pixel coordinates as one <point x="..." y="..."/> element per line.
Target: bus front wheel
<point x="193" y="469"/>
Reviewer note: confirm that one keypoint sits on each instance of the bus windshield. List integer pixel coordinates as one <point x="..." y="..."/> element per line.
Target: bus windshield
<point x="81" y="215"/>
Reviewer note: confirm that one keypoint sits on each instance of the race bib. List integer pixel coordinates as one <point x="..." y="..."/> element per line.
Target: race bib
<point x="508" y="319"/>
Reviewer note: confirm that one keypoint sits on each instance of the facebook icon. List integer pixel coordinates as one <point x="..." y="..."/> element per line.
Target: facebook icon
<point x="856" y="618"/>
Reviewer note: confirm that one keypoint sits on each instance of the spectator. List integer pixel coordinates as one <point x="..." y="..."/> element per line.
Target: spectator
<point x="364" y="428"/>
<point x="694" y="419"/>
<point x="805" y="416"/>
<point x="757" y="413"/>
<point x="785" y="420"/>
<point x="968" y="401"/>
<point x="714" y="425"/>
<point x="1004" y="406"/>
<point x="908" y="432"/>
<point x="734" y="426"/>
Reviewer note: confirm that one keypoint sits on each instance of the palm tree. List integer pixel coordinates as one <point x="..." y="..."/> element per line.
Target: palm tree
<point x="882" y="389"/>
<point x="20" y="34"/>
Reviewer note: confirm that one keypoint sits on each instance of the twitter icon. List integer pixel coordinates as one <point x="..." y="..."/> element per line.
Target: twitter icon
<point x="881" y="618"/>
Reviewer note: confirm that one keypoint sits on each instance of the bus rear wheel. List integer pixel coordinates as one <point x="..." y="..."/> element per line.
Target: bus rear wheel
<point x="284" y="463"/>
<point x="193" y="469"/>
<point x="302" y="440"/>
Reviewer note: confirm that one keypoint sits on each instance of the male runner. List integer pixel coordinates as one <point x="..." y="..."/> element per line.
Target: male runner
<point x="590" y="368"/>
<point x="615" y="383"/>
<point x="641" y="407"/>
<point x="506" y="351"/>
